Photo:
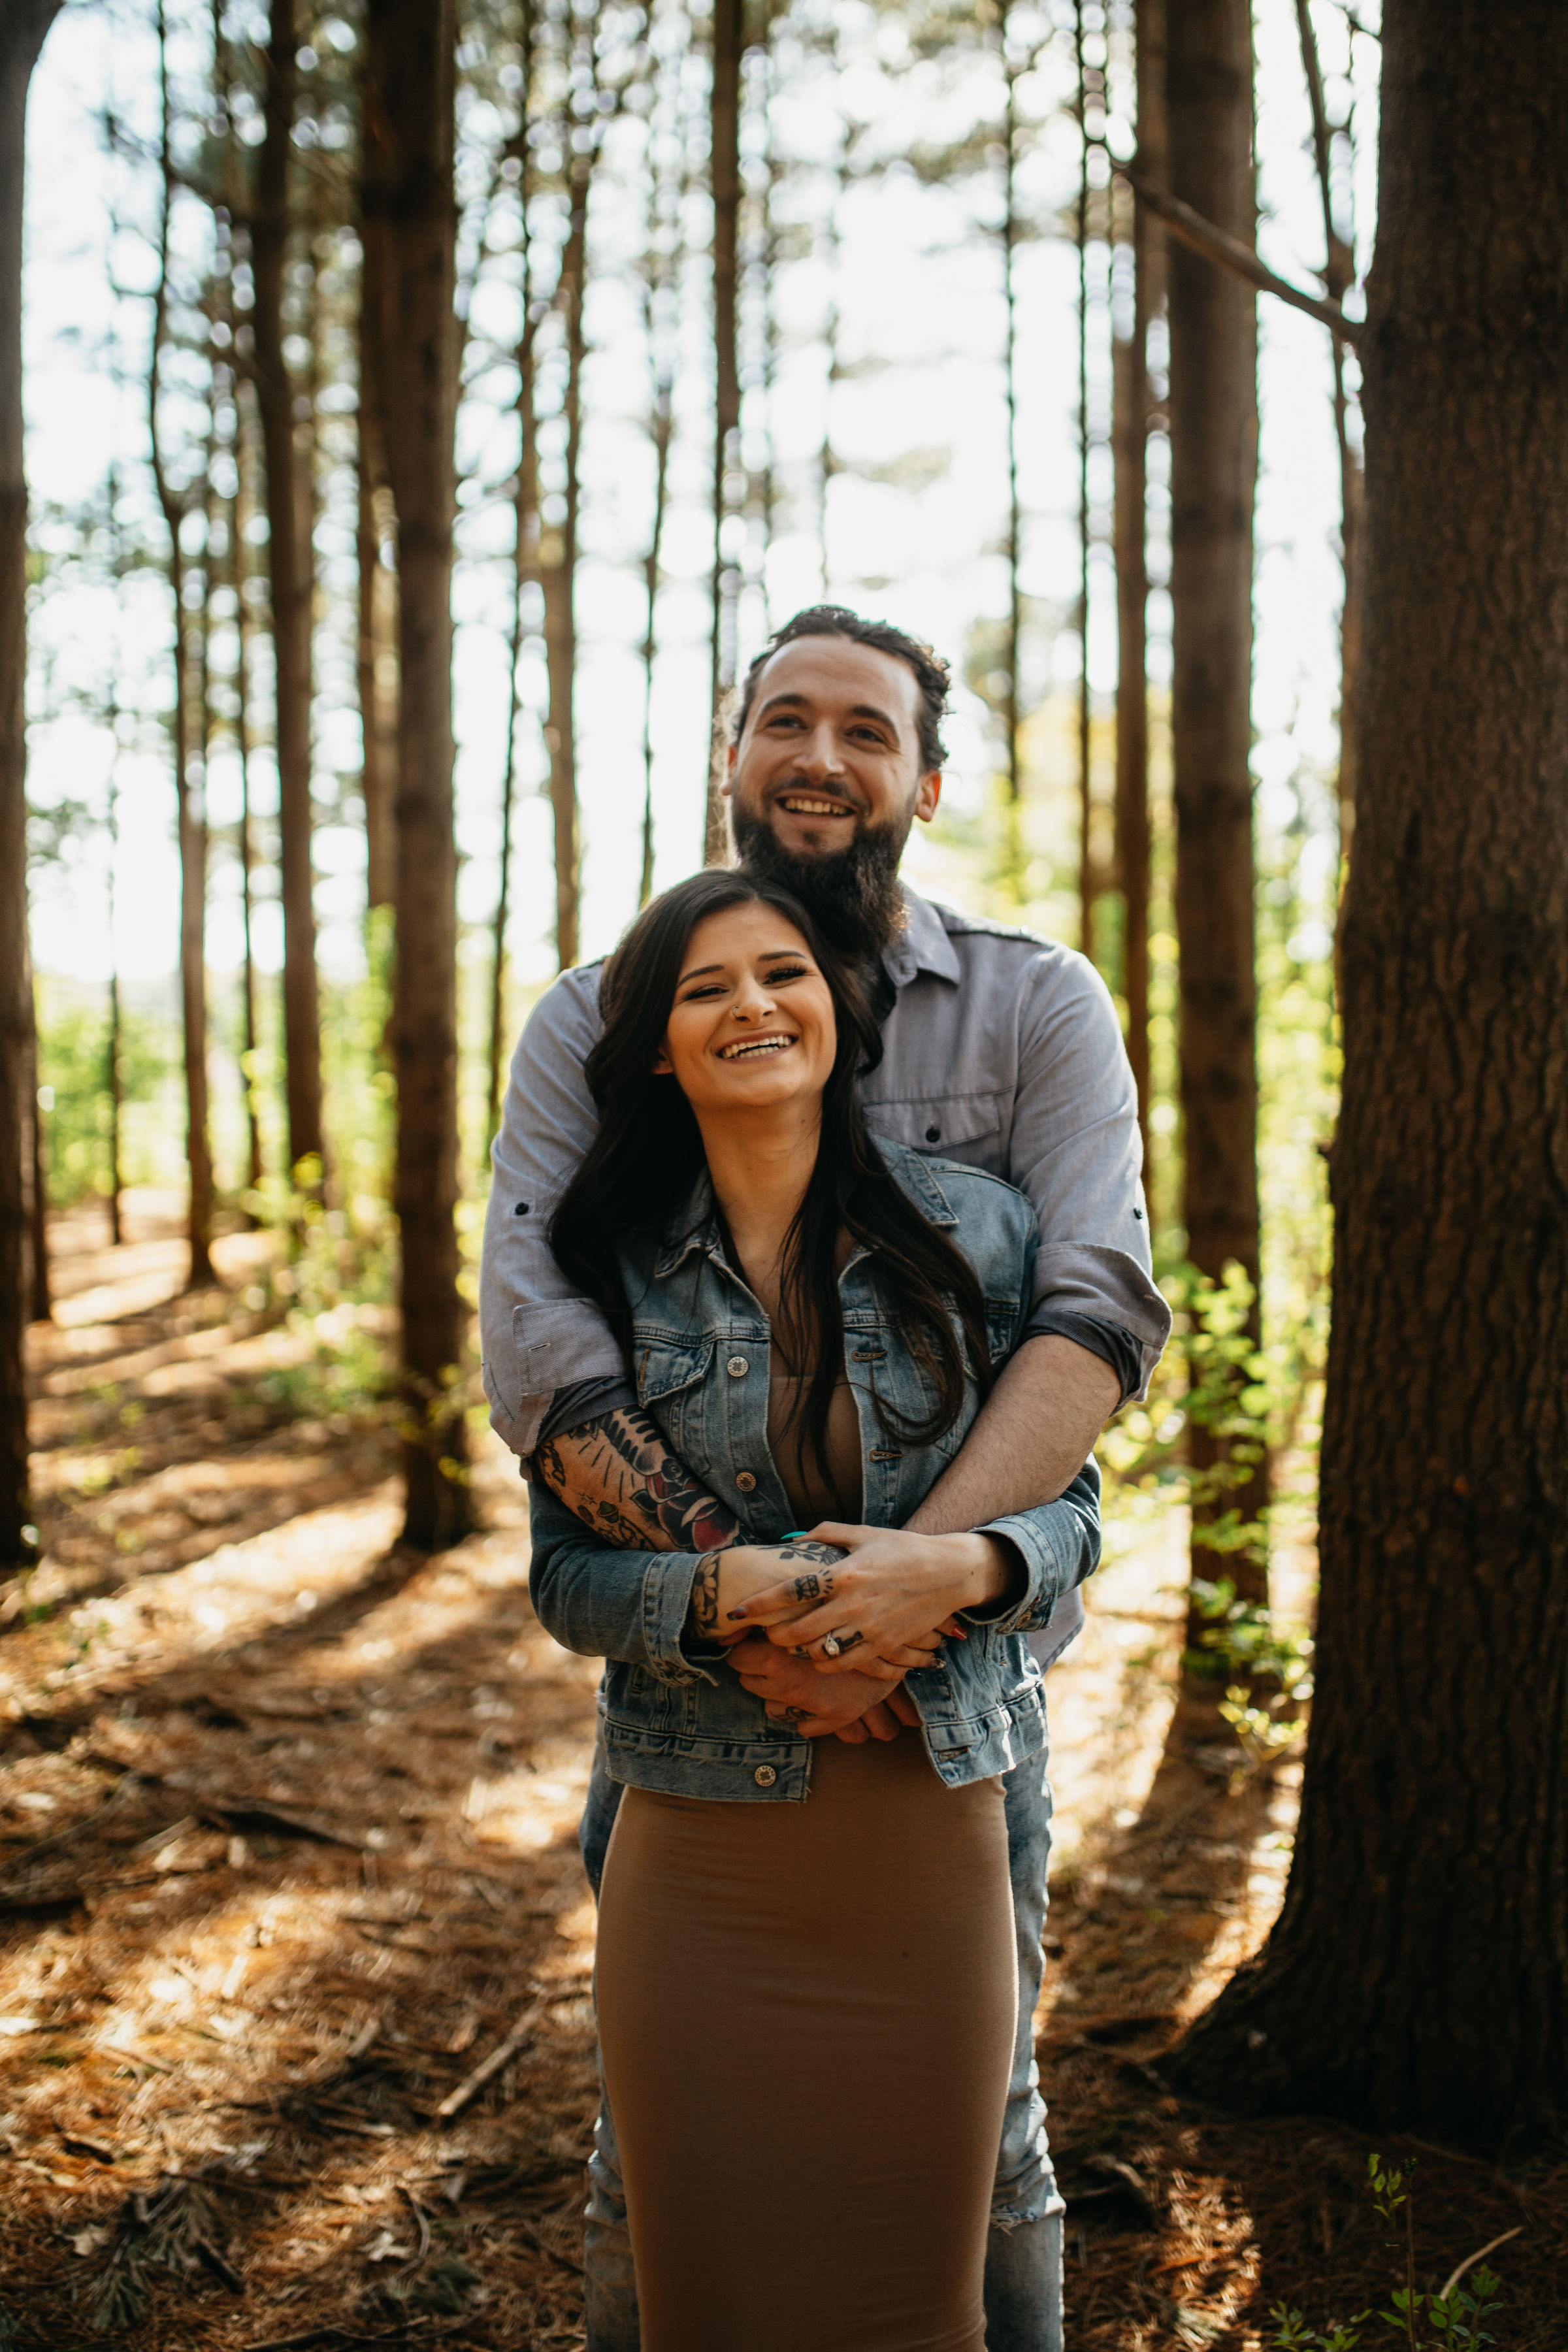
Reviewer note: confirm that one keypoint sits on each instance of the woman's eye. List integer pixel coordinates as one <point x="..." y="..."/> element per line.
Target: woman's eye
<point x="695" y="995"/>
<point x="787" y="971"/>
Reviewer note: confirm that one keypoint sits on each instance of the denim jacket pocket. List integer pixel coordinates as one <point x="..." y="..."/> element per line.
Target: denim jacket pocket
<point x="672" y="1372"/>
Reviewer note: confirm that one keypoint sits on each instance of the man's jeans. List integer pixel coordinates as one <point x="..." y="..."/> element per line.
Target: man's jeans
<point x="1024" y="2246"/>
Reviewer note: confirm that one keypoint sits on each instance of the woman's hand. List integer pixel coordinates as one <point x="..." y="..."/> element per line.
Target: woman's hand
<point x="726" y="1579"/>
<point x="888" y="1599"/>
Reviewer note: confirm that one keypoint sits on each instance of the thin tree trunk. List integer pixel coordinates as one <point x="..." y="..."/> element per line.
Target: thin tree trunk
<point x="1214" y="465"/>
<point x="410" y="345"/>
<point x="290" y="568"/>
<point x="238" y="515"/>
<point x="1415" y="1980"/>
<point x="661" y="273"/>
<point x="113" y="1079"/>
<point x="724" y="168"/>
<point x="1134" y="848"/>
<point x="524" y="566"/>
<point x="190" y="814"/>
<point x="42" y="1303"/>
<point x="559" y="572"/>
<point x="1011" y="707"/>
<point x="827" y="460"/>
<point x="1085" y="878"/>
<point x="22" y="31"/>
<point x="1338" y="274"/>
<point x="377" y="678"/>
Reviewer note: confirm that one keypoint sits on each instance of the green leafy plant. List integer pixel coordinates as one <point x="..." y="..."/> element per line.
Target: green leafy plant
<point x="1451" y="2320"/>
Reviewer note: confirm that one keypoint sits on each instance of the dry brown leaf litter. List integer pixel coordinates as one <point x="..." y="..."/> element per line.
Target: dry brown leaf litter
<point x="287" y="1853"/>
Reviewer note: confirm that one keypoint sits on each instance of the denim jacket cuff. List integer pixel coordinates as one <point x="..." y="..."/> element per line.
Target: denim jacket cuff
<point x="665" y="1601"/>
<point x="1049" y="1575"/>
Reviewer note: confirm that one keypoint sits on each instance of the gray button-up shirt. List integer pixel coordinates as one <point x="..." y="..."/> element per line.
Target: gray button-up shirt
<point x="1000" y="1050"/>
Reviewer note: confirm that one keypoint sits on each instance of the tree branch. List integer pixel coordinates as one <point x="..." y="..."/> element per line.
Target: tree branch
<point x="1217" y="245"/>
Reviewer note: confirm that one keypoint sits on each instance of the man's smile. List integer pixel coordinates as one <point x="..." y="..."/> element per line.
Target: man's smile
<point x="812" y="804"/>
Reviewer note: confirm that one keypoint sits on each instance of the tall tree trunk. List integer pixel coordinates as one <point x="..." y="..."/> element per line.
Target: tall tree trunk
<point x="410" y="342"/>
<point x="1086" y="877"/>
<point x="1214" y="468"/>
<point x="1012" y="705"/>
<point x="22" y="31"/>
<point x="1129" y="392"/>
<point x="42" y="1300"/>
<point x="660" y="274"/>
<point x="1338" y="274"/>
<point x="378" y="679"/>
<point x="828" y="457"/>
<point x="559" y="574"/>
<point x="113" y="1079"/>
<point x="524" y="567"/>
<point x="1415" y="1980"/>
<point x="191" y="814"/>
<point x="238" y="515"/>
<point x="291" y="571"/>
<point x="724" y="169"/>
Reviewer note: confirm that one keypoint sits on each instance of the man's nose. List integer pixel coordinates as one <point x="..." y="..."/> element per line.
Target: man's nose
<point x="819" y="755"/>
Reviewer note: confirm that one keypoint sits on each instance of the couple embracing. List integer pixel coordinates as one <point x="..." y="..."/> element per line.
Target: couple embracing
<point x="817" y="1260"/>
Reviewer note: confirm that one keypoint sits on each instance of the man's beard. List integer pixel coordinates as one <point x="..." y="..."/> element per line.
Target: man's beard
<point x="852" y="893"/>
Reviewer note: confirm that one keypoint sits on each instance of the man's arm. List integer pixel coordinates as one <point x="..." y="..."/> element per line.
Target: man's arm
<point x="1030" y="1439"/>
<point x="619" y="1478"/>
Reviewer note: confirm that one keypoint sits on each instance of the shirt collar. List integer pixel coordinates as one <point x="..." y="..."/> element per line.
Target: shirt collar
<point x="694" y="1225"/>
<point x="921" y="946"/>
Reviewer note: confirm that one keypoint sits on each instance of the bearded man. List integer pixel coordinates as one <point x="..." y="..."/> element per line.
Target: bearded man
<point x="1000" y="1050"/>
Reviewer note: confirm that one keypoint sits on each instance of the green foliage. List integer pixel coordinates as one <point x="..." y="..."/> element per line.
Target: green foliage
<point x="332" y="1283"/>
<point x="1423" y="2322"/>
<point x="73" y="1045"/>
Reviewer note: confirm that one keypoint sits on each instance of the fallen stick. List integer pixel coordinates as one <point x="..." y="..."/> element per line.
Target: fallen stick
<point x="457" y="2100"/>
<point x="1490" y="2247"/>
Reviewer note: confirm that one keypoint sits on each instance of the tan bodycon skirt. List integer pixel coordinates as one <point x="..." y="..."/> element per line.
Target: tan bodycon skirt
<point x="806" y="2017"/>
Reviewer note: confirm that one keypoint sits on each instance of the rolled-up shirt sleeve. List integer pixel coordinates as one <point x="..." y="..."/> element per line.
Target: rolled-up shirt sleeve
<point x="535" y="1334"/>
<point x="1074" y="1151"/>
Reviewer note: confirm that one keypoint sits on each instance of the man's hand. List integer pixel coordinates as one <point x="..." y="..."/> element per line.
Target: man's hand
<point x="856" y="1707"/>
<point x="619" y="1478"/>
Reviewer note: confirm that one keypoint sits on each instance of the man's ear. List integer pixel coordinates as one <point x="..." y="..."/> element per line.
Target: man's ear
<point x="927" y="794"/>
<point x="728" y="786"/>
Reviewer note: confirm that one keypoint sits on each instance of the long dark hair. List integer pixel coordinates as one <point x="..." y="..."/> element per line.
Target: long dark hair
<point x="648" y="1150"/>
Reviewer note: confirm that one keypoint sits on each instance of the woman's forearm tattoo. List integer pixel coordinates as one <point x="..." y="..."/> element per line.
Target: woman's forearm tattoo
<point x="705" y="1597"/>
<point x="620" y="1478"/>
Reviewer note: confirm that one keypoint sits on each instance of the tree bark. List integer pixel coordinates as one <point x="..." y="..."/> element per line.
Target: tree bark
<point x="22" y="31"/>
<point x="1135" y="847"/>
<point x="410" y="344"/>
<point x="43" y="1309"/>
<point x="190" y="812"/>
<point x="238" y="515"/>
<point x="559" y="576"/>
<point x="1085" y="878"/>
<point x="1415" y="1978"/>
<point x="724" y="169"/>
<point x="292" y="576"/>
<point x="1214" y="468"/>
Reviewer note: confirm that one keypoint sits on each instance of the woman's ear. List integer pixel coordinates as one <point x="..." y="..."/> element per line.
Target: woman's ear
<point x="663" y="1067"/>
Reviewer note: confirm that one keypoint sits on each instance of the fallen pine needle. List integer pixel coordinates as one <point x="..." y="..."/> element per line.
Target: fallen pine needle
<point x="458" y="2099"/>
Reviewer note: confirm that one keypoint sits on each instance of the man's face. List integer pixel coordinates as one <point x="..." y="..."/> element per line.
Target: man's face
<point x="830" y="752"/>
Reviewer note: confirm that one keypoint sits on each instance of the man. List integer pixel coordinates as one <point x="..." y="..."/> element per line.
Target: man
<point x="999" y="1050"/>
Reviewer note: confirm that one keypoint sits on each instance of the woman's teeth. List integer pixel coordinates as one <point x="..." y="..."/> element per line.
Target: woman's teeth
<point x="754" y="1045"/>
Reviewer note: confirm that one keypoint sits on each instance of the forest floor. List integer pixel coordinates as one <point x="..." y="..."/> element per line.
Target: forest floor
<point x="287" y="1852"/>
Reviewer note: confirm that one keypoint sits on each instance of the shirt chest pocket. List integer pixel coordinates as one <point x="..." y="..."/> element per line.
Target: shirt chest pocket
<point x="966" y="1128"/>
<point x="672" y="1371"/>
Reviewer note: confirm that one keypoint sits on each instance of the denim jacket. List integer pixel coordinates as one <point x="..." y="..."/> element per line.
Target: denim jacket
<point x="676" y="1715"/>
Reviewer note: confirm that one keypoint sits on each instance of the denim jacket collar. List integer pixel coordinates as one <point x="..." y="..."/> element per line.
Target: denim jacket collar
<point x="695" y="1224"/>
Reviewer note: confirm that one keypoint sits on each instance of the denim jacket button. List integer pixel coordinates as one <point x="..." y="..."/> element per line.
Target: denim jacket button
<point x="745" y="1481"/>
<point x="737" y="1368"/>
<point x="764" y="1776"/>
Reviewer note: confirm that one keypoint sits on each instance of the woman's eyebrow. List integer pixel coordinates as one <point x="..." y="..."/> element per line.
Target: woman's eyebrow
<point x="696" y="971"/>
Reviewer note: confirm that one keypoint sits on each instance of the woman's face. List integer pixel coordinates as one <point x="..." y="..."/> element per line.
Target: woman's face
<point x="752" y="1023"/>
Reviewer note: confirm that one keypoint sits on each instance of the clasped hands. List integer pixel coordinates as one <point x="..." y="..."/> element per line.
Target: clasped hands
<point x="827" y="1644"/>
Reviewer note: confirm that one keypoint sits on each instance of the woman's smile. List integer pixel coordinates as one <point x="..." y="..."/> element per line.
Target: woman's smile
<point x="751" y="998"/>
<point x="739" y="1048"/>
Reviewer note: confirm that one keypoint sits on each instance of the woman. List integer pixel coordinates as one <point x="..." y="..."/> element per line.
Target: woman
<point x="804" y="1977"/>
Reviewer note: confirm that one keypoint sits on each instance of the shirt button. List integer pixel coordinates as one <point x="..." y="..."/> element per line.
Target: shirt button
<point x="764" y="1776"/>
<point x="934" y="1135"/>
<point x="737" y="1368"/>
<point x="745" y="1481"/>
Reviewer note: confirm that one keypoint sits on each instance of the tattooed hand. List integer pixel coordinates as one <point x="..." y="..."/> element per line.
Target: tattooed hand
<point x="620" y="1478"/>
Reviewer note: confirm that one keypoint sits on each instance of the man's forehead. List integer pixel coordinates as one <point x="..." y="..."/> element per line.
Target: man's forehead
<point x="838" y="668"/>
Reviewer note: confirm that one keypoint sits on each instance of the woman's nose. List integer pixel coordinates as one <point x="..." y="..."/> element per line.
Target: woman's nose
<point x="751" y="1003"/>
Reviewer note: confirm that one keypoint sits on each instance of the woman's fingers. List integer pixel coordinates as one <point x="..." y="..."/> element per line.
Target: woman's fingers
<point x="777" y="1604"/>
